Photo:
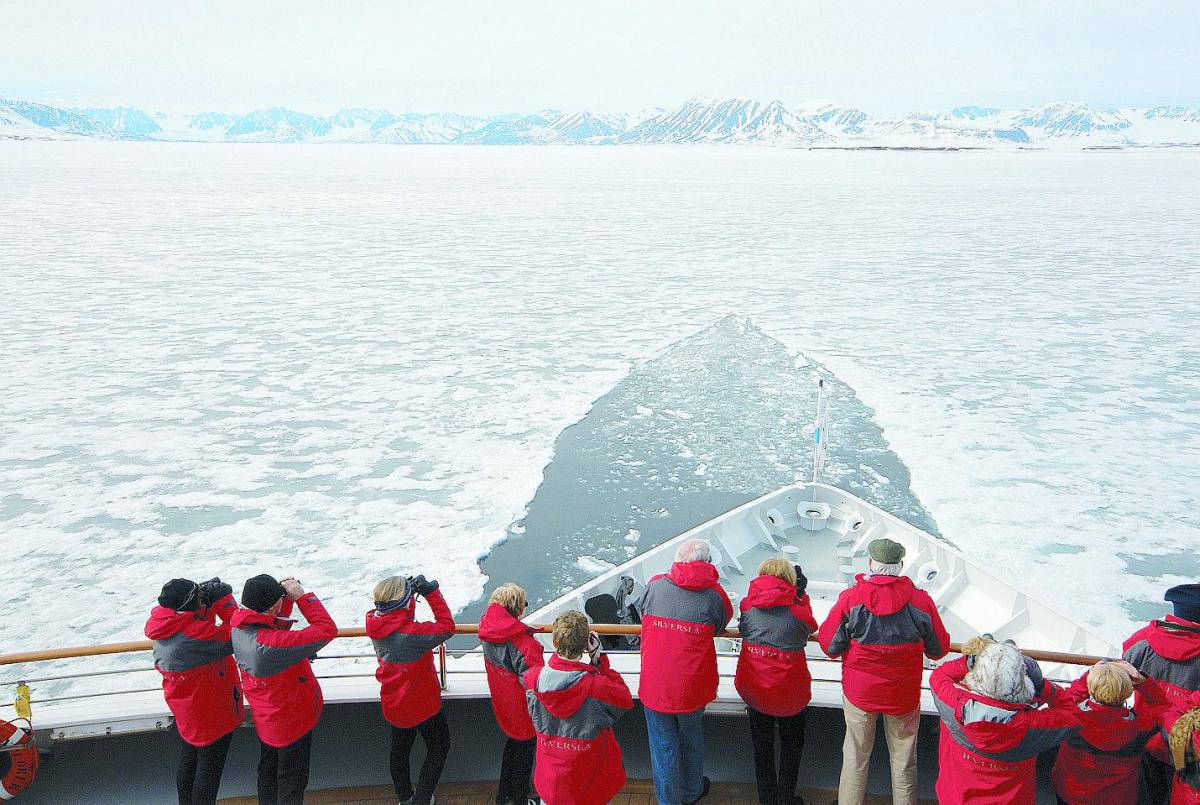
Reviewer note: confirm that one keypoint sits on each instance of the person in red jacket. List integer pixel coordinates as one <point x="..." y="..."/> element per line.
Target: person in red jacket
<point x="682" y="611"/>
<point x="1183" y="740"/>
<point x="573" y="702"/>
<point x="1099" y="766"/>
<point x="409" y="689"/>
<point x="200" y="682"/>
<point x="277" y="677"/>
<point x="1167" y="650"/>
<point x="880" y="627"/>
<point x="993" y="728"/>
<point x="772" y="674"/>
<point x="509" y="652"/>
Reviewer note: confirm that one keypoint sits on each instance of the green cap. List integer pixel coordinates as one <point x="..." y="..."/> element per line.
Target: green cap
<point x="886" y="551"/>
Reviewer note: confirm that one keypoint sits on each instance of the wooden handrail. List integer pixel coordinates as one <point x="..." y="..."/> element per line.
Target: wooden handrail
<point x="46" y="655"/>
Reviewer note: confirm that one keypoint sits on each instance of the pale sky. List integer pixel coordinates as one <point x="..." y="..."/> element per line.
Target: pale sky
<point x="525" y="55"/>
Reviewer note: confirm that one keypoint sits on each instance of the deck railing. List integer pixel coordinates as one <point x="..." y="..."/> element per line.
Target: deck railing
<point x="74" y="652"/>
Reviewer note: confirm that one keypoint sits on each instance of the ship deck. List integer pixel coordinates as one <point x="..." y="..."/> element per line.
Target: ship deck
<point x="636" y="792"/>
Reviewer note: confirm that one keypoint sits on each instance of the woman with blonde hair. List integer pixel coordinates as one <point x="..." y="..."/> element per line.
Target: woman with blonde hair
<point x="509" y="652"/>
<point x="772" y="674"/>
<point x="409" y="689"/>
<point x="1184" y="742"/>
<point x="1100" y="764"/>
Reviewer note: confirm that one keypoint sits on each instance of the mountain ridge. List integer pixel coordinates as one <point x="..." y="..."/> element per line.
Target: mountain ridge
<point x="697" y="121"/>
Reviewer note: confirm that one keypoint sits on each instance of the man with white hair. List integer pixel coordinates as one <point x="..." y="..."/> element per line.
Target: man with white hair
<point x="880" y="627"/>
<point x="682" y="611"/>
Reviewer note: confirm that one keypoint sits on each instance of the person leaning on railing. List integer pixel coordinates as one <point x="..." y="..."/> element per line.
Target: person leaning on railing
<point x="1183" y="741"/>
<point x="682" y="611"/>
<point x="574" y="700"/>
<point x="993" y="725"/>
<point x="1099" y="766"/>
<point x="409" y="689"/>
<point x="1167" y="650"/>
<point x="509" y="652"/>
<point x="881" y="626"/>
<point x="277" y="677"/>
<point x="772" y="674"/>
<point x="200" y="683"/>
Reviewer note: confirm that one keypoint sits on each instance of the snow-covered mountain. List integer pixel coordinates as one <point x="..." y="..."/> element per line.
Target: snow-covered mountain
<point x="23" y="118"/>
<point x="726" y="121"/>
<point x="124" y="121"/>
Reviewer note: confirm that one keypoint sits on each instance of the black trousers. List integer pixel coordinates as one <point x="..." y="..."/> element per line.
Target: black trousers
<point x="777" y="788"/>
<point x="283" y="772"/>
<point x="1154" y="782"/>
<point x="516" y="767"/>
<point x="199" y="774"/>
<point x="436" y="734"/>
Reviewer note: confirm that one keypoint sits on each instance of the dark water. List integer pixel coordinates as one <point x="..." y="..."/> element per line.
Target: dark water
<point x="711" y="422"/>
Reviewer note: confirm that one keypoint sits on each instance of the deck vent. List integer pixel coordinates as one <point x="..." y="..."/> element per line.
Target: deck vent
<point x="813" y="516"/>
<point x="927" y="574"/>
<point x="856" y="525"/>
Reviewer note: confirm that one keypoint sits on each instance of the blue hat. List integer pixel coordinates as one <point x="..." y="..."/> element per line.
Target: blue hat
<point x="1186" y="600"/>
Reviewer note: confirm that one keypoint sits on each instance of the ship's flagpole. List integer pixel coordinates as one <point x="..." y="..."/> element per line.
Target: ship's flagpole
<point x="818" y="437"/>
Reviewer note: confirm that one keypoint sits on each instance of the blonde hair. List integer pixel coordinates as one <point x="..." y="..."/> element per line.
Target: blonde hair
<point x="511" y="597"/>
<point x="780" y="568"/>
<point x="392" y="588"/>
<point x="1109" y="683"/>
<point x="1181" y="736"/>
<point x="571" y="634"/>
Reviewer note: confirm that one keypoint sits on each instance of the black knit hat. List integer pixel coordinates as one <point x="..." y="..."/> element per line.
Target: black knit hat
<point x="261" y="592"/>
<point x="1185" y="599"/>
<point x="181" y="595"/>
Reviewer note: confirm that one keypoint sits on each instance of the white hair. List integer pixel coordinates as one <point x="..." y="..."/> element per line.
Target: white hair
<point x="999" y="673"/>
<point x="881" y="569"/>
<point x="694" y="550"/>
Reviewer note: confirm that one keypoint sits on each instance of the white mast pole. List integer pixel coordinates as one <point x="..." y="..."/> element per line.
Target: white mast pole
<point x="819" y="437"/>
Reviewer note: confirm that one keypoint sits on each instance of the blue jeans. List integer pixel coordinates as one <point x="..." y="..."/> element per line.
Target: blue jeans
<point x="676" y="755"/>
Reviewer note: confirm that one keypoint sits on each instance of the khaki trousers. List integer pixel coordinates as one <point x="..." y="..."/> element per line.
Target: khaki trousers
<point x="901" y="734"/>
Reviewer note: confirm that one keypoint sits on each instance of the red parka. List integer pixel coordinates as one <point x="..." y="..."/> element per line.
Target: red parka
<point x="200" y="682"/>
<point x="880" y="627"/>
<point x="1168" y="651"/>
<point x="285" y="698"/>
<point x="682" y="611"/>
<point x="988" y="748"/>
<point x="772" y="671"/>
<point x="1185" y="789"/>
<point x="509" y="651"/>
<point x="1099" y="765"/>
<point x="573" y="706"/>
<point x="409" y="689"/>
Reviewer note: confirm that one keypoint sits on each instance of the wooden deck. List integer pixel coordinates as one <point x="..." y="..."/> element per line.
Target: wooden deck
<point x="636" y="792"/>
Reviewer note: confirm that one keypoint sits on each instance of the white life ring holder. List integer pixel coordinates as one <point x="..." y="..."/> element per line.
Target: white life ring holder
<point x="19" y="758"/>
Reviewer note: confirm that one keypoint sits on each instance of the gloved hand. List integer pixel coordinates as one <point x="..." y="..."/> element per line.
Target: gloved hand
<point x="423" y="586"/>
<point x="595" y="648"/>
<point x="801" y="581"/>
<point x="1034" y="672"/>
<point x="213" y="590"/>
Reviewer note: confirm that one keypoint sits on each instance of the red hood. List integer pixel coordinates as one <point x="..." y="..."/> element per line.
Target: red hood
<point x="380" y="626"/>
<point x="499" y="626"/>
<point x="248" y="617"/>
<point x="693" y="575"/>
<point x="565" y="703"/>
<point x="768" y="591"/>
<point x="994" y="736"/>
<point x="885" y="595"/>
<point x="164" y="622"/>
<point x="1174" y="644"/>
